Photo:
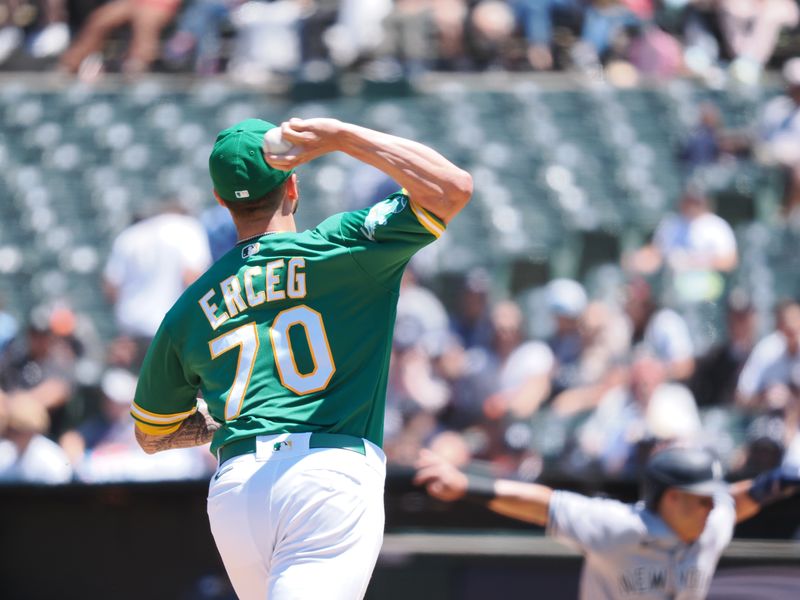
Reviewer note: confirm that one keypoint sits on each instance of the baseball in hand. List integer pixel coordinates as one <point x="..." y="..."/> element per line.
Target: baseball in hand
<point x="275" y="144"/>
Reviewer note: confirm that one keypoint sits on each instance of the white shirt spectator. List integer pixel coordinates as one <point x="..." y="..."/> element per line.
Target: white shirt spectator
<point x="769" y="364"/>
<point x="150" y="264"/>
<point x="700" y="240"/>
<point x="43" y="461"/>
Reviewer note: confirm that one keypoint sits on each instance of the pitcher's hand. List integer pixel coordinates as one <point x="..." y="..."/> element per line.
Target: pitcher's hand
<point x="311" y="139"/>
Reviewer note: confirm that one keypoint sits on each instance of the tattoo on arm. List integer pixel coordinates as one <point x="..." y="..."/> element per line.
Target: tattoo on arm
<point x="196" y="430"/>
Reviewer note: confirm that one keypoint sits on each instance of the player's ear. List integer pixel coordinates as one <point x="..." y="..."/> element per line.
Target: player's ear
<point x="291" y="195"/>
<point x="219" y="200"/>
<point x="292" y="192"/>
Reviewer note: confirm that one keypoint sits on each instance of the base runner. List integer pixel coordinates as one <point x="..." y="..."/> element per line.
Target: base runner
<point x="663" y="548"/>
<point x="288" y="338"/>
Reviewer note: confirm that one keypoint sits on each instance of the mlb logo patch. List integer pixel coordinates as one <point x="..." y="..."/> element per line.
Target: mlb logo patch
<point x="250" y="249"/>
<point x="242" y="194"/>
<point x="278" y="446"/>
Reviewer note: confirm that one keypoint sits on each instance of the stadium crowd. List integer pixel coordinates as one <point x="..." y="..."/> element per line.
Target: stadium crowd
<point x="572" y="377"/>
<point x="316" y="39"/>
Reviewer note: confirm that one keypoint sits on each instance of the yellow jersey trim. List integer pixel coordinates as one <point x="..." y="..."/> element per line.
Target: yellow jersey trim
<point x="156" y="419"/>
<point x="157" y="429"/>
<point x="427" y="220"/>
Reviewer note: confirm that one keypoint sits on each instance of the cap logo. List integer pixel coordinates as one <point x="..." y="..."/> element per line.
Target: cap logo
<point x="242" y="194"/>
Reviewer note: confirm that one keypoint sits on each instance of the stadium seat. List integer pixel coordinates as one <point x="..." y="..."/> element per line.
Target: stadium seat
<point x="565" y="178"/>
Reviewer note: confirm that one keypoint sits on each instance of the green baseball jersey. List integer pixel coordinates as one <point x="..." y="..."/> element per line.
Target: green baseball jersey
<point x="288" y="332"/>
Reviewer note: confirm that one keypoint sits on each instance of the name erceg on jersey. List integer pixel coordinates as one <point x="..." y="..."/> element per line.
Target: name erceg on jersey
<point x="253" y="286"/>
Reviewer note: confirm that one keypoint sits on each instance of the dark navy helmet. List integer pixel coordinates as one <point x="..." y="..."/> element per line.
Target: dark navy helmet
<point x="692" y="470"/>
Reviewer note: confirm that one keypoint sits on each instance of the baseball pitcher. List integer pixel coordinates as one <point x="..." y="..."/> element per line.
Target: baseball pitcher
<point x="287" y="338"/>
<point x="665" y="547"/>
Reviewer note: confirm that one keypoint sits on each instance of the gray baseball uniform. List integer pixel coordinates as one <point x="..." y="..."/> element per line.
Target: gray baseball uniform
<point x="631" y="553"/>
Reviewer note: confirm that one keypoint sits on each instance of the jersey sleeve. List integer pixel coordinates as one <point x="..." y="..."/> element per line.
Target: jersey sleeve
<point x="384" y="237"/>
<point x="165" y="394"/>
<point x="591" y="524"/>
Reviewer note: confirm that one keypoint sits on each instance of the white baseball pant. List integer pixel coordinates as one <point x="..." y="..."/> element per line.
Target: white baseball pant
<point x="299" y="523"/>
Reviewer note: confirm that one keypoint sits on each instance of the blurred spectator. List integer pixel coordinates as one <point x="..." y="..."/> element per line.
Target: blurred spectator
<point x="318" y="32"/>
<point x="778" y="136"/>
<point x="267" y="40"/>
<point x="537" y="19"/>
<point x="117" y="388"/>
<point x="219" y="228"/>
<point x="105" y="449"/>
<point x="751" y="29"/>
<point x="39" y="27"/>
<point x="420" y="311"/>
<point x="425" y="34"/>
<point x="492" y="388"/>
<point x="415" y="392"/>
<point x="645" y="410"/>
<point x="603" y="21"/>
<point x="496" y="390"/>
<point x="706" y="143"/>
<point x="566" y="302"/>
<point x="465" y="372"/>
<point x="146" y="18"/>
<point x="51" y="33"/>
<point x="471" y="320"/>
<point x="308" y="39"/>
<point x="519" y="370"/>
<point x="150" y="264"/>
<point x="490" y="36"/>
<point x="11" y="35"/>
<point x="659" y="331"/>
<point x="39" y="369"/>
<point x="197" y="41"/>
<point x="415" y="389"/>
<point x="693" y="239"/>
<point x="26" y="455"/>
<point x="695" y="246"/>
<point x="357" y="31"/>
<point x="766" y="378"/>
<point x="651" y="50"/>
<point x="715" y="379"/>
<point x="605" y="341"/>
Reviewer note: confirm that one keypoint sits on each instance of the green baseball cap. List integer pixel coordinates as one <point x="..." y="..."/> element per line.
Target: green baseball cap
<point x="237" y="166"/>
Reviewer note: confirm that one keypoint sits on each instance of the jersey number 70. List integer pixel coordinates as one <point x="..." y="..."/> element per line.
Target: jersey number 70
<point x="246" y="339"/>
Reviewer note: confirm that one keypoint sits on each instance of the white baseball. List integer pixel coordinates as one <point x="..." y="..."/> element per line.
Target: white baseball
<point x="274" y="142"/>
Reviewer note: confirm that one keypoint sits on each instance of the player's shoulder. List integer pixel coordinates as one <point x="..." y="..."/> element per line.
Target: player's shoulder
<point x="597" y="522"/>
<point x="770" y="347"/>
<point x="605" y="508"/>
<point x="713" y="221"/>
